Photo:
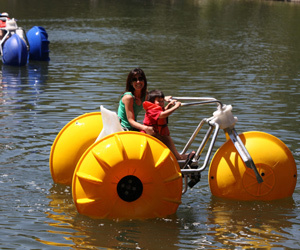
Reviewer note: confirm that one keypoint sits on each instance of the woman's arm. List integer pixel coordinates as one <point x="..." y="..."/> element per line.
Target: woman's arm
<point x="128" y="102"/>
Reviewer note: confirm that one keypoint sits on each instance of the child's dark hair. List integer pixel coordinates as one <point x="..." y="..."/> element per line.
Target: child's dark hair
<point x="155" y="94"/>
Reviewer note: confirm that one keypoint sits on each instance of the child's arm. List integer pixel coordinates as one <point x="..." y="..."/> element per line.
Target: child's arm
<point x="170" y="104"/>
<point x="169" y="111"/>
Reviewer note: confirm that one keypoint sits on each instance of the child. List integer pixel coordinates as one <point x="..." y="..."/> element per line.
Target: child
<point x="157" y="116"/>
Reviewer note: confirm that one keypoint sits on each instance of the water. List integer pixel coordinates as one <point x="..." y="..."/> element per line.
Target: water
<point x="244" y="53"/>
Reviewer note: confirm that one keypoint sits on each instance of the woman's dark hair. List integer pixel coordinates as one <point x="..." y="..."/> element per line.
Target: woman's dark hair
<point x="131" y="75"/>
<point x="155" y="94"/>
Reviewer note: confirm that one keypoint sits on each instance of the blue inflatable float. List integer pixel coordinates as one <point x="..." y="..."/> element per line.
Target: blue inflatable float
<point x="17" y="47"/>
<point x="39" y="44"/>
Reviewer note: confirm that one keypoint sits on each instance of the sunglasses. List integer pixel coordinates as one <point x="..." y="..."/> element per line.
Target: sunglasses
<point x="135" y="79"/>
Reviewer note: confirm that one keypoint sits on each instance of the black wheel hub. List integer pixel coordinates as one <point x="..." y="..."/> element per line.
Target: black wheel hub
<point x="130" y="188"/>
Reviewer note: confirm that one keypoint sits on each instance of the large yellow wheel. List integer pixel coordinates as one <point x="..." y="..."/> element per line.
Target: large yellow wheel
<point x="230" y="178"/>
<point x="127" y="175"/>
<point x="70" y="144"/>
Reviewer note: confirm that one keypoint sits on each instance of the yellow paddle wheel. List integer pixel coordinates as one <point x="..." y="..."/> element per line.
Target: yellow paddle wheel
<point x="127" y="175"/>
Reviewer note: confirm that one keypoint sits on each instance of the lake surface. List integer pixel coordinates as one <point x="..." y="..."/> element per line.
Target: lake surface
<point x="244" y="53"/>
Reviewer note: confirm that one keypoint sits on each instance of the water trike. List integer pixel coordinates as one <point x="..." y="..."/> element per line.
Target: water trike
<point x="16" y="47"/>
<point x="132" y="175"/>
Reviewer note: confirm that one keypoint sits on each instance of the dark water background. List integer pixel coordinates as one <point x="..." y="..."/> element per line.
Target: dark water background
<point x="244" y="53"/>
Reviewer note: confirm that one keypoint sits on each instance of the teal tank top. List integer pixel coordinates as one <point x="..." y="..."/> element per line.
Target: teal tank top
<point x="122" y="113"/>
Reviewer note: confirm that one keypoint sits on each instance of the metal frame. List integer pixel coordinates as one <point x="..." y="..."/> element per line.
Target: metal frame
<point x="190" y="168"/>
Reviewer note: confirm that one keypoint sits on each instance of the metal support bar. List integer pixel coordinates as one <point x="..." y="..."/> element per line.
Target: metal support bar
<point x="185" y="185"/>
<point x="197" y="100"/>
<point x="209" y="151"/>
<point x="204" y="142"/>
<point x="192" y="138"/>
<point x="243" y="152"/>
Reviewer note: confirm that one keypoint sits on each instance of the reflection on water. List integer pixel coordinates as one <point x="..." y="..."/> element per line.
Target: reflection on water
<point x="17" y="81"/>
<point x="61" y="214"/>
<point x="227" y="223"/>
<point x="251" y="224"/>
<point x="80" y="231"/>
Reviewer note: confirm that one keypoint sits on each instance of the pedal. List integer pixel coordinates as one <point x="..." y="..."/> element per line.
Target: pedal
<point x="189" y="161"/>
<point x="195" y="178"/>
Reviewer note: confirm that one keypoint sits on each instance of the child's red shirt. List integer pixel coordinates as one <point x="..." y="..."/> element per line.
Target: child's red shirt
<point x="153" y="111"/>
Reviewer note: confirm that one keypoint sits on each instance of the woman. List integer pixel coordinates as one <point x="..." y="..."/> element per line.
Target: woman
<point x="131" y="102"/>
